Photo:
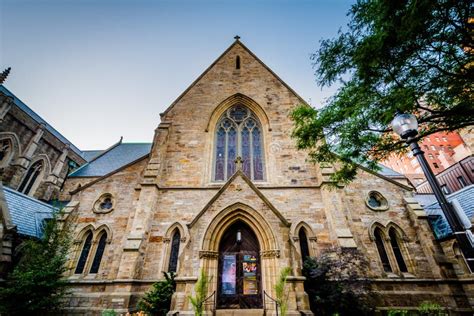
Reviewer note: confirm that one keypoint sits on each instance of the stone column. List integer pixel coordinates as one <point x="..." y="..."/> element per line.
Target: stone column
<point x="54" y="177"/>
<point x="5" y="106"/>
<point x="27" y="155"/>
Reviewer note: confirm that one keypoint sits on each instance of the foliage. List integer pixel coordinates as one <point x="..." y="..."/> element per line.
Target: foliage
<point x="108" y="312"/>
<point x="397" y="312"/>
<point x="280" y="291"/>
<point x="430" y="309"/>
<point x="336" y="283"/>
<point x="201" y="291"/>
<point x="158" y="300"/>
<point x="36" y="285"/>
<point x="412" y="55"/>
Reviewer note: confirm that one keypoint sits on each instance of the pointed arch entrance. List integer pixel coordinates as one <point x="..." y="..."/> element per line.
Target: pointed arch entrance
<point x="239" y="272"/>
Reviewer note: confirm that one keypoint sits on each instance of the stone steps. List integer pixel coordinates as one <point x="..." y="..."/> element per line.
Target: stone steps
<point x="239" y="312"/>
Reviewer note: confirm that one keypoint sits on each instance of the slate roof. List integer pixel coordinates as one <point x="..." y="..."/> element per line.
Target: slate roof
<point x="26" y="212"/>
<point x="438" y="222"/>
<point x="91" y="154"/>
<point x="112" y="159"/>
<point x="386" y="171"/>
<point x="40" y="120"/>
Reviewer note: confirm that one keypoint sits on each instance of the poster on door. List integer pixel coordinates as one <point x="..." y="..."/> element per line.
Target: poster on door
<point x="228" y="274"/>
<point x="249" y="267"/>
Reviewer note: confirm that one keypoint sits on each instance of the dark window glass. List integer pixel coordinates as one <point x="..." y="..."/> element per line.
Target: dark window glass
<point x="445" y="189"/>
<point x="373" y="201"/>
<point x="396" y="250"/>
<point x="257" y="155"/>
<point x="231" y="151"/>
<point x="435" y="165"/>
<point x="84" y="254"/>
<point x="303" y="244"/>
<point x="246" y="155"/>
<point x="461" y="181"/>
<point x="30" y="178"/>
<point x="381" y="250"/>
<point x="173" y="264"/>
<point x="237" y="62"/>
<point x="220" y="154"/>
<point x="98" y="254"/>
<point x="106" y="204"/>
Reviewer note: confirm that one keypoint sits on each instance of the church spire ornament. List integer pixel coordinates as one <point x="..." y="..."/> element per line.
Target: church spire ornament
<point x="4" y="75"/>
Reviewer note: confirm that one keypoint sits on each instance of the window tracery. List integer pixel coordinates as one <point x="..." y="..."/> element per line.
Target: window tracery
<point x="238" y="133"/>
<point x="32" y="176"/>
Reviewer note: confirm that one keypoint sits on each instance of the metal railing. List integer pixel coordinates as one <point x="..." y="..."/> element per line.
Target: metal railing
<point x="267" y="299"/>
<point x="210" y="301"/>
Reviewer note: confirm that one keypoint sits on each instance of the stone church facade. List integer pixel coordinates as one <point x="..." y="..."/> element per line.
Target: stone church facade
<point x="224" y="190"/>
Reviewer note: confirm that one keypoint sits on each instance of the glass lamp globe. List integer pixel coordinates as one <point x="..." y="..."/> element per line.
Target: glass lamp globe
<point x="405" y="125"/>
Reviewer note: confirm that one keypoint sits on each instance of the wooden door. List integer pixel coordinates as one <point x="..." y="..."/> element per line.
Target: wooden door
<point x="239" y="283"/>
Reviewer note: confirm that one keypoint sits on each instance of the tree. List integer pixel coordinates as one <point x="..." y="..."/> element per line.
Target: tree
<point x="36" y="285"/>
<point x="416" y="56"/>
<point x="337" y="285"/>
<point x="158" y="300"/>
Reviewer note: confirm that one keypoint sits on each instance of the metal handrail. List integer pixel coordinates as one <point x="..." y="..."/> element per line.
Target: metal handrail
<point x="208" y="302"/>
<point x="265" y="294"/>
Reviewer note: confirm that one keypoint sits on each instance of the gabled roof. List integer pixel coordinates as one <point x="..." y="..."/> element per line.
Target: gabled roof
<point x="386" y="171"/>
<point x="22" y="106"/>
<point x="27" y="213"/>
<point x="241" y="174"/>
<point x="235" y="43"/>
<point x="112" y="159"/>
<point x="91" y="154"/>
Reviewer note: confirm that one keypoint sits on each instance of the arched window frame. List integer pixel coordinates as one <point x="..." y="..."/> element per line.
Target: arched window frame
<point x="184" y="239"/>
<point x="83" y="254"/>
<point x="97" y="234"/>
<point x="304" y="244"/>
<point x="33" y="178"/>
<point x="6" y="151"/>
<point x="397" y="250"/>
<point x="401" y="240"/>
<point x="229" y="125"/>
<point x="14" y="150"/>
<point x="379" y="239"/>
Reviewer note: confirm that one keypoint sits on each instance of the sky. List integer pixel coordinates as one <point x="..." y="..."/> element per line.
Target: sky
<point x="99" y="70"/>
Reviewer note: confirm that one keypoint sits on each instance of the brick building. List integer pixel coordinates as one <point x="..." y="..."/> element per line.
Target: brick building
<point x="223" y="187"/>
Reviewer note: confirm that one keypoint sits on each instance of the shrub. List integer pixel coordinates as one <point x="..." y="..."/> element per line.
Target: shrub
<point x="158" y="300"/>
<point x="281" y="294"/>
<point x="201" y="291"/>
<point x="336" y="283"/>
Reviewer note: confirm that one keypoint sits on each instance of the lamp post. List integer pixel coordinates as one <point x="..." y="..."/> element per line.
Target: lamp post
<point x="406" y="126"/>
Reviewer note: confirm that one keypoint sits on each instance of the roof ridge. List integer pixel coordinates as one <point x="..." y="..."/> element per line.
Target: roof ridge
<point x="236" y="42"/>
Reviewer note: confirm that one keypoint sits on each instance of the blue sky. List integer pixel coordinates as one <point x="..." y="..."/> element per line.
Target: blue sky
<point x="98" y="70"/>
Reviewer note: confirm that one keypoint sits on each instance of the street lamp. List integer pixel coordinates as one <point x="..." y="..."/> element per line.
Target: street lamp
<point x="406" y="126"/>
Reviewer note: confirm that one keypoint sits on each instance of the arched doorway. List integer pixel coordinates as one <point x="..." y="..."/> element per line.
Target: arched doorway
<point x="239" y="282"/>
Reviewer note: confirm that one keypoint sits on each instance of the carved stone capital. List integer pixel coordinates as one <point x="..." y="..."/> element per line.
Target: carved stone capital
<point x="274" y="253"/>
<point x="207" y="254"/>
<point x="166" y="239"/>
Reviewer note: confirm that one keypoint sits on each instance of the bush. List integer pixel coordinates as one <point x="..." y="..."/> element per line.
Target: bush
<point x="36" y="285"/>
<point x="158" y="300"/>
<point x="201" y="291"/>
<point x="336" y="283"/>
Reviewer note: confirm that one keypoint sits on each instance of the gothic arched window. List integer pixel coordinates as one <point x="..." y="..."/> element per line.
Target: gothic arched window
<point x="31" y="177"/>
<point x="381" y="249"/>
<point x="396" y="250"/>
<point x="238" y="133"/>
<point x="173" y="263"/>
<point x="99" y="253"/>
<point x="81" y="263"/>
<point x="6" y="150"/>
<point x="303" y="244"/>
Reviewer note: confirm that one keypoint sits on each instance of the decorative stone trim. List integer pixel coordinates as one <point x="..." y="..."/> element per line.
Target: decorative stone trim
<point x="375" y="197"/>
<point x="274" y="253"/>
<point x="104" y="204"/>
<point x="208" y="254"/>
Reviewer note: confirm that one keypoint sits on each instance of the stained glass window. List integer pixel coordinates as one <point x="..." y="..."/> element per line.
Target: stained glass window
<point x="84" y="254"/>
<point x="98" y="253"/>
<point x="396" y="250"/>
<point x="173" y="263"/>
<point x="382" y="251"/>
<point x="238" y="133"/>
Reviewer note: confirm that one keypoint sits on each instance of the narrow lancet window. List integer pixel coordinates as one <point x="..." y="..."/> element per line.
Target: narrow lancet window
<point x="238" y="133"/>
<point x="237" y="62"/>
<point x="382" y="251"/>
<point x="173" y="263"/>
<point x="99" y="253"/>
<point x="31" y="177"/>
<point x="81" y="263"/>
<point x="303" y="244"/>
<point x="396" y="250"/>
